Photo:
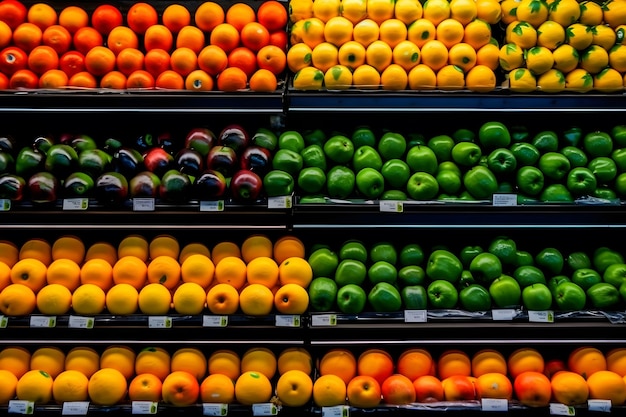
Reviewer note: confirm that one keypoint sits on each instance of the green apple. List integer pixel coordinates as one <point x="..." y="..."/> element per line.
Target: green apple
<point x="618" y="133"/>
<point x="363" y="135"/>
<point x="572" y="136"/>
<point x="615" y="274"/>
<point x="468" y="253"/>
<point x="370" y="182"/>
<point x="311" y="180"/>
<point x="505" y="249"/>
<point x="366" y="157"/>
<point x="581" y="181"/>
<point x="314" y="156"/>
<point x="606" y="192"/>
<point x="411" y="275"/>
<point x="523" y="258"/>
<point x="603" y="295"/>
<point x="291" y="139"/>
<point x="449" y="181"/>
<point x="485" y="267"/>
<point x="340" y="182"/>
<point x="550" y="260"/>
<point x="619" y="157"/>
<point x="322" y="294"/>
<point x="353" y="249"/>
<point x="576" y="156"/>
<point x="392" y="145"/>
<point x="463" y="135"/>
<point x="383" y="251"/>
<point x="604" y="256"/>
<point x="382" y="271"/>
<point x="480" y="182"/>
<point x="492" y="135"/>
<point x="444" y="265"/>
<point x="314" y="137"/>
<point x="554" y="165"/>
<point x="339" y="149"/>
<point x="414" y="297"/>
<point x="620" y="184"/>
<point x="395" y="195"/>
<point x="350" y="271"/>
<point x="466" y="154"/>
<point x="422" y="186"/>
<point x="556" y="193"/>
<point x="505" y="292"/>
<point x="525" y="153"/>
<point x="351" y="299"/>
<point x="475" y="297"/>
<point x="442" y="294"/>
<point x="383" y="296"/>
<point x="604" y="168"/>
<point x="323" y="262"/>
<point x="569" y="296"/>
<point x="442" y="146"/>
<point x="586" y="277"/>
<point x="537" y="297"/>
<point x="411" y="254"/>
<point x="528" y="275"/>
<point x="554" y="282"/>
<point x="546" y="141"/>
<point x="598" y="144"/>
<point x="449" y="166"/>
<point x="502" y="162"/>
<point x="530" y="180"/>
<point x="421" y="158"/>
<point x="577" y="260"/>
<point x="396" y="173"/>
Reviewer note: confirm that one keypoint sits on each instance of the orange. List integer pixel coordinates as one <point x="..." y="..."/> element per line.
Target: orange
<point x="586" y="360"/>
<point x="489" y="11"/>
<point x="256" y="300"/>
<point x="279" y="38"/>
<point x="272" y="58"/>
<point x="135" y="245"/>
<point x="72" y="62"/>
<point x="488" y="360"/>
<point x="450" y="32"/>
<point x="294" y="358"/>
<point x="54" y="299"/>
<point x="252" y="387"/>
<point x="379" y="55"/>
<point x="462" y="55"/>
<point x="82" y="79"/>
<point x="329" y="390"/>
<point x="7" y="390"/>
<point x="224" y="249"/>
<point x="616" y="360"/>
<point x="65" y="272"/>
<point x="465" y="11"/>
<point x="119" y="357"/>
<point x="535" y="13"/>
<point x="366" y="32"/>
<point x="198" y="268"/>
<point x="263" y="80"/>
<point x="27" y="36"/>
<point x="122" y="299"/>
<point x="107" y="386"/>
<point x="415" y="362"/>
<point x="295" y="270"/>
<point x="240" y="14"/>
<point x="82" y="359"/>
<point x="172" y="392"/>
<point x="477" y="33"/>
<point x="421" y="31"/>
<point x="15" y="359"/>
<point x="286" y="247"/>
<point x="100" y="60"/>
<point x="340" y="362"/>
<point x="156" y="61"/>
<point x="375" y="363"/>
<point x="158" y="37"/>
<point x="434" y="54"/>
<point x="607" y="385"/>
<point x="406" y="54"/>
<point x="154" y="360"/>
<point x="300" y="10"/>
<point x="114" y="80"/>
<point x="23" y="79"/>
<point x="121" y="37"/>
<point x="192" y="249"/>
<point x="175" y="17"/>
<point x="222" y="299"/>
<point x="208" y="15"/>
<point x="189" y="298"/>
<point x="5" y="275"/>
<point x="191" y="37"/>
<point x="217" y="388"/>
<point x="489" y="56"/>
<point x="493" y="385"/>
<point x="212" y="59"/>
<point x="36" y="386"/>
<point x="105" y="17"/>
<point x="351" y="54"/>
<point x="183" y="60"/>
<point x="145" y="387"/>
<point x="29" y="272"/>
<point x="394" y="77"/>
<point x="68" y="247"/>
<point x="259" y="359"/>
<point x="129" y="60"/>
<point x="154" y="299"/>
<point x="436" y="11"/>
<point x="4" y="81"/>
<point x="164" y="245"/>
<point x="13" y="12"/>
<point x="190" y="360"/>
<point x="199" y="80"/>
<point x="73" y="18"/>
<point x="226" y="36"/>
<point x="42" y="14"/>
<point x="569" y="388"/>
<point x="86" y="38"/>
<point x="453" y="362"/>
<point x="232" y="79"/>
<point x="88" y="299"/>
<point x="131" y="270"/>
<point x="291" y="299"/>
<point x="141" y="16"/>
<point x="225" y="362"/>
<point x="42" y="58"/>
<point x="9" y="253"/>
<point x="273" y="15"/>
<point x="524" y="359"/>
<point x="164" y="270"/>
<point x="50" y="359"/>
<point x="256" y="245"/>
<point x="57" y="37"/>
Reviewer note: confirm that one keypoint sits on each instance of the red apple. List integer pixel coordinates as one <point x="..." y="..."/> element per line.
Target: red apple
<point x="553" y="366"/>
<point x="428" y="389"/>
<point x="533" y="389"/>
<point x="180" y="389"/>
<point x="397" y="389"/>
<point x="364" y="392"/>
<point x="458" y="388"/>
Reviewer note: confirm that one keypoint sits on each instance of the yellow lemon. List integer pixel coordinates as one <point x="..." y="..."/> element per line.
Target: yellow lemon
<point x="594" y="59"/>
<point x="450" y="77"/>
<point x="326" y="9"/>
<point x="617" y="58"/>
<point x="299" y="56"/>
<point x="408" y="11"/>
<point x="338" y="77"/>
<point x="354" y="10"/>
<point x="421" y="31"/>
<point x="534" y="12"/>
<point x="579" y="36"/>
<point x="578" y="81"/>
<point x="590" y="13"/>
<point x="604" y="36"/>
<point x="511" y="57"/>
<point x="566" y="58"/>
<point x="256" y="300"/>
<point x="394" y="77"/>
<point x="308" y="78"/>
<point x="366" y="77"/>
<point x="463" y="10"/>
<point x="393" y="31"/>
<point x="508" y="11"/>
<point x="480" y="79"/>
<point x="379" y="55"/>
<point x="550" y="35"/>
<point x="521" y="80"/>
<point x="489" y="11"/>
<point x="608" y="80"/>
<point x="312" y="31"/>
<point x="488" y="55"/>
<point x="434" y="54"/>
<point x="366" y="32"/>
<point x="539" y="59"/>
<point x="422" y="77"/>
<point x="614" y="12"/>
<point x="477" y="33"/>
<point x="324" y="56"/>
<point x="450" y="32"/>
<point x="564" y="12"/>
<point x="463" y="56"/>
<point x="551" y="81"/>
<point x="406" y="54"/>
<point x="521" y="33"/>
<point x="351" y="54"/>
<point x="338" y="30"/>
<point x="300" y="10"/>
<point x="436" y="10"/>
<point x="380" y="10"/>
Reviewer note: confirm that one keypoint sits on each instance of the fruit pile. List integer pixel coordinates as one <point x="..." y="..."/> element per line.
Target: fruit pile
<point x="154" y="277"/>
<point x="380" y="277"/>
<point x="139" y="47"/>
<point x="228" y="164"/>
<point x="183" y="377"/>
<point x="377" y="44"/>
<point x="564" y="45"/>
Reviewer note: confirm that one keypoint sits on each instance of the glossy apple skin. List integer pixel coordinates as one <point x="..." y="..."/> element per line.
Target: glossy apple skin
<point x="533" y="389"/>
<point x="111" y="189"/>
<point x="12" y="186"/>
<point x="223" y="159"/>
<point x="157" y="160"/>
<point x="210" y="185"/>
<point x="189" y="161"/>
<point x="364" y="392"/>
<point x="43" y="187"/>
<point x="458" y="388"/>
<point x="200" y="139"/>
<point x="145" y="184"/>
<point x="256" y="159"/>
<point x="246" y="186"/>
<point x="234" y="136"/>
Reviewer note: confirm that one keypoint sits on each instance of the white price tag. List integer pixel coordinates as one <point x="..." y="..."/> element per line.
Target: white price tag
<point x="79" y="322"/>
<point x="541" y="316"/>
<point x="5" y="204"/>
<point x="391" y="206"/>
<point x="494" y="404"/>
<point x="143" y="204"/>
<point x="287" y="320"/>
<point x="264" y="409"/>
<point x="75" y="408"/>
<point x="280" y="202"/>
<point x="324" y="320"/>
<point x="503" y="314"/>
<point x="557" y="409"/>
<point x="21" y="407"/>
<point x="159" y="322"/>
<point x="603" y="406"/>
<point x="4" y="322"/>
<point x="75" y="204"/>
<point x="43" y="321"/>
<point x="144" y="407"/>
<point x="336" y="411"/>
<point x="504" y="200"/>
<point x="217" y="205"/>
<point x="209" y="409"/>
<point x="415" y="316"/>
<point x="214" y="321"/>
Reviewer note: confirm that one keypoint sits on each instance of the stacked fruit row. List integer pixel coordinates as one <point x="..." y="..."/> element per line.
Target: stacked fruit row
<point x="383" y="278"/>
<point x="149" y="166"/>
<point x="375" y="44"/>
<point x="154" y="277"/>
<point x="211" y="47"/>
<point x="564" y="46"/>
<point x="182" y="377"/>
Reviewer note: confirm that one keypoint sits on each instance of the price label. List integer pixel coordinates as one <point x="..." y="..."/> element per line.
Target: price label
<point x="214" y="321"/>
<point x="324" y="320"/>
<point x="264" y="409"/>
<point x="4" y="322"/>
<point x="280" y="202"/>
<point x="75" y="408"/>
<point x="209" y="409"/>
<point x="494" y="404"/>
<point x="217" y="205"/>
<point x="75" y="204"/>
<point x="159" y="322"/>
<point x="21" y="407"/>
<point x="557" y="409"/>
<point x="143" y="204"/>
<point x="288" y="320"/>
<point x="79" y="322"/>
<point x="391" y="206"/>
<point x="541" y="316"/>
<point x="43" y="321"/>
<point x="503" y="314"/>
<point x="504" y="200"/>
<point x="144" y="407"/>
<point x="603" y="406"/>
<point x="336" y="411"/>
<point x="415" y="316"/>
